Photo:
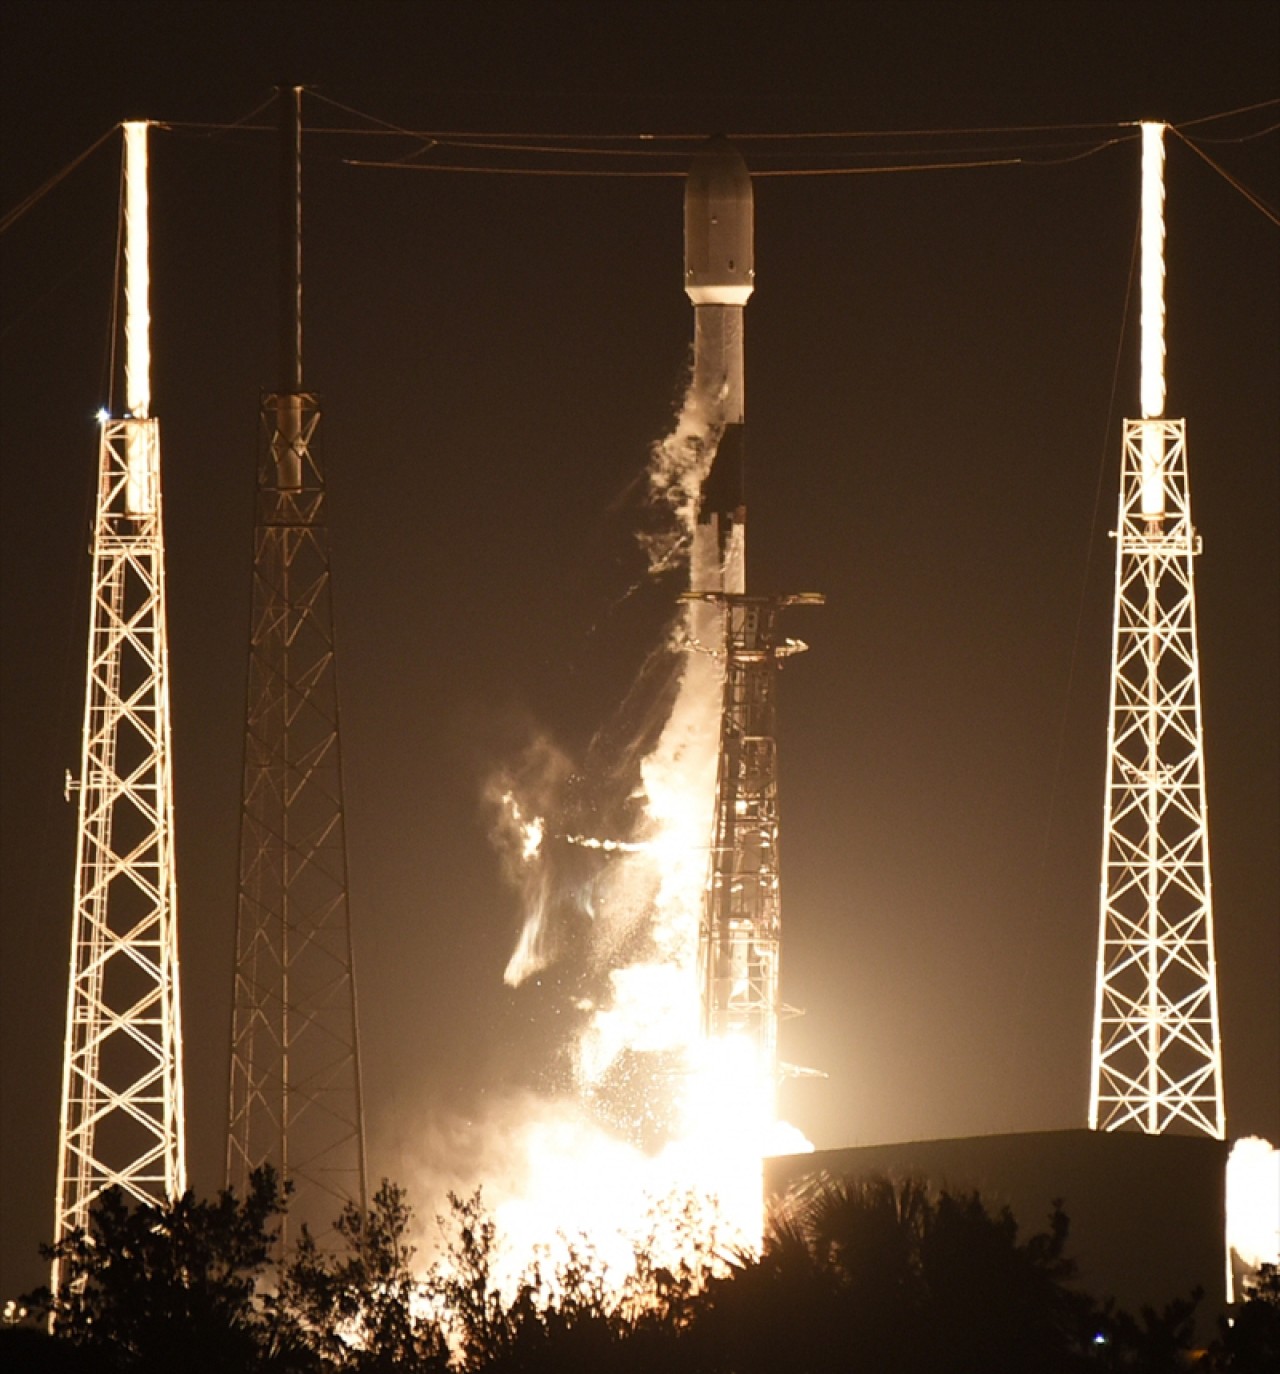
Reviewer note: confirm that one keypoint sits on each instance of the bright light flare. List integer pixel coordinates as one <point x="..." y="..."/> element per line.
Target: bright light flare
<point x="1253" y="1201"/>
<point x="1153" y="350"/>
<point x="137" y="279"/>
<point x="530" y="830"/>
<point x="1152" y="394"/>
<point x="141" y="459"/>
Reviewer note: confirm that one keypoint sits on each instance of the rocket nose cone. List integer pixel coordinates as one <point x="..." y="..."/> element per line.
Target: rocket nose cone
<point x="718" y="171"/>
<point x="719" y="230"/>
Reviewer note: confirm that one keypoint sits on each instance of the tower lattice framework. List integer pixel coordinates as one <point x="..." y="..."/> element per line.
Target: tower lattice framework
<point x="121" y="1122"/>
<point x="1156" y="1054"/>
<point x="741" y="927"/>
<point x="295" y="1092"/>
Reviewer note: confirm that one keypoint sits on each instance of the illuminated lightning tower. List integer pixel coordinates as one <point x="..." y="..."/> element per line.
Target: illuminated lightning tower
<point x="1157" y="1056"/>
<point x="122" y="1111"/>
<point x="295" y="1095"/>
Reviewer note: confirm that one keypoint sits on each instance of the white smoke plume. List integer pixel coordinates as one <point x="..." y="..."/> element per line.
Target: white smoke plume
<point x="678" y="466"/>
<point x="520" y="797"/>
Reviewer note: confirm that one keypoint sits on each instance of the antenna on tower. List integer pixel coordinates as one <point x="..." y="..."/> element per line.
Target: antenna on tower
<point x="295" y="1093"/>
<point x="1156" y="1051"/>
<point x="121" y="1119"/>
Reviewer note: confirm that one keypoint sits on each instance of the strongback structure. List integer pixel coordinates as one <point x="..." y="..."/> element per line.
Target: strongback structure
<point x="122" y="1104"/>
<point x="741" y="926"/>
<point x="295" y="1093"/>
<point x="1156" y="1053"/>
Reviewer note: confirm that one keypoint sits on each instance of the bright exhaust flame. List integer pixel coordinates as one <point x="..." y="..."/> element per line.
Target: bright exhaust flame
<point x="662" y="1125"/>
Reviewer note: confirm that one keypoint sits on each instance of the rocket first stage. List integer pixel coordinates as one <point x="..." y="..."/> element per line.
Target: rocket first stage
<point x="719" y="276"/>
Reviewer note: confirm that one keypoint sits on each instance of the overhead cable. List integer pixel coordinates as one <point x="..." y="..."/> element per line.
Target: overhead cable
<point x="1256" y="201"/>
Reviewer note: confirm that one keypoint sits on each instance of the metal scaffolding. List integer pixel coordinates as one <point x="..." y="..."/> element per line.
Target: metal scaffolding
<point x="295" y="1092"/>
<point x="739" y="939"/>
<point x="122" y="1100"/>
<point x="1156" y="1052"/>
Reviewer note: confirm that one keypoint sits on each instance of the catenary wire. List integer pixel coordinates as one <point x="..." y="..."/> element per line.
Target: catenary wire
<point x="680" y="174"/>
<point x="1227" y="114"/>
<point x="36" y="196"/>
<point x="1256" y="201"/>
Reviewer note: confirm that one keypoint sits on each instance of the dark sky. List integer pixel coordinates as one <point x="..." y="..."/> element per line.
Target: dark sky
<point x="930" y="361"/>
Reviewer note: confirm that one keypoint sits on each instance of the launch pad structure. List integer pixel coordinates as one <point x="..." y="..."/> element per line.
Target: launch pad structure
<point x="295" y="1090"/>
<point x="295" y="1098"/>
<point x="740" y="936"/>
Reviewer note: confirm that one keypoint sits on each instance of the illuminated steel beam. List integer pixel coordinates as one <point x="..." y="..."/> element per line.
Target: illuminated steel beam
<point x="121" y="1122"/>
<point x="1156" y="1049"/>
<point x="296" y="1097"/>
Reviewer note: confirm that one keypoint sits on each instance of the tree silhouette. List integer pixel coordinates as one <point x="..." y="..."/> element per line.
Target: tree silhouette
<point x="363" y="1311"/>
<point x="868" y="1275"/>
<point x="876" y="1275"/>
<point x="172" y="1286"/>
<point x="1249" y="1339"/>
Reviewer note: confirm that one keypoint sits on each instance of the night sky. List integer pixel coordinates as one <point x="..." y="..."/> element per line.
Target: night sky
<point x="932" y="443"/>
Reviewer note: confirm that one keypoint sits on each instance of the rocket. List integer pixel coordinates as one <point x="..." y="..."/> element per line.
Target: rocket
<point x="719" y="276"/>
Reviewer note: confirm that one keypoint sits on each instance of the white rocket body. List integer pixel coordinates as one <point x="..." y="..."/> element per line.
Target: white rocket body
<point x="719" y="276"/>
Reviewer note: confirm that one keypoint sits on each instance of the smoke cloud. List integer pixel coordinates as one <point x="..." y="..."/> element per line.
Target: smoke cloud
<point x="520" y="796"/>
<point x="678" y="466"/>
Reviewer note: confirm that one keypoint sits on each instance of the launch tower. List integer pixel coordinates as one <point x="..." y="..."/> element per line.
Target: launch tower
<point x="741" y="927"/>
<point x="122" y="1110"/>
<point x="295" y="1094"/>
<point x="1157" y="1055"/>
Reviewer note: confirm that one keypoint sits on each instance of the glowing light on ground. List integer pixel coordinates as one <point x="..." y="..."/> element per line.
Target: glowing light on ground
<point x="1253" y="1201"/>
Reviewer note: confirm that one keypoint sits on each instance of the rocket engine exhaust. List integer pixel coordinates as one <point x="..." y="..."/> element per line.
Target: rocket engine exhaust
<point x="669" y="1110"/>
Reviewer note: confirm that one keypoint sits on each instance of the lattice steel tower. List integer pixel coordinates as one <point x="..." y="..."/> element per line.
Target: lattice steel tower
<point x="122" y="1111"/>
<point x="741" y="926"/>
<point x="295" y="1096"/>
<point x="1157" y="1054"/>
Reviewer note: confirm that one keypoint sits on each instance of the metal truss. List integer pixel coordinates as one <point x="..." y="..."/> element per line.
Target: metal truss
<point x="740" y="934"/>
<point x="1157" y="1054"/>
<point x="122" y="1108"/>
<point x="295" y="1092"/>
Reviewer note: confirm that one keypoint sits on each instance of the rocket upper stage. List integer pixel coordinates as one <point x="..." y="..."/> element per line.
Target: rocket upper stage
<point x="719" y="227"/>
<point x="719" y="276"/>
